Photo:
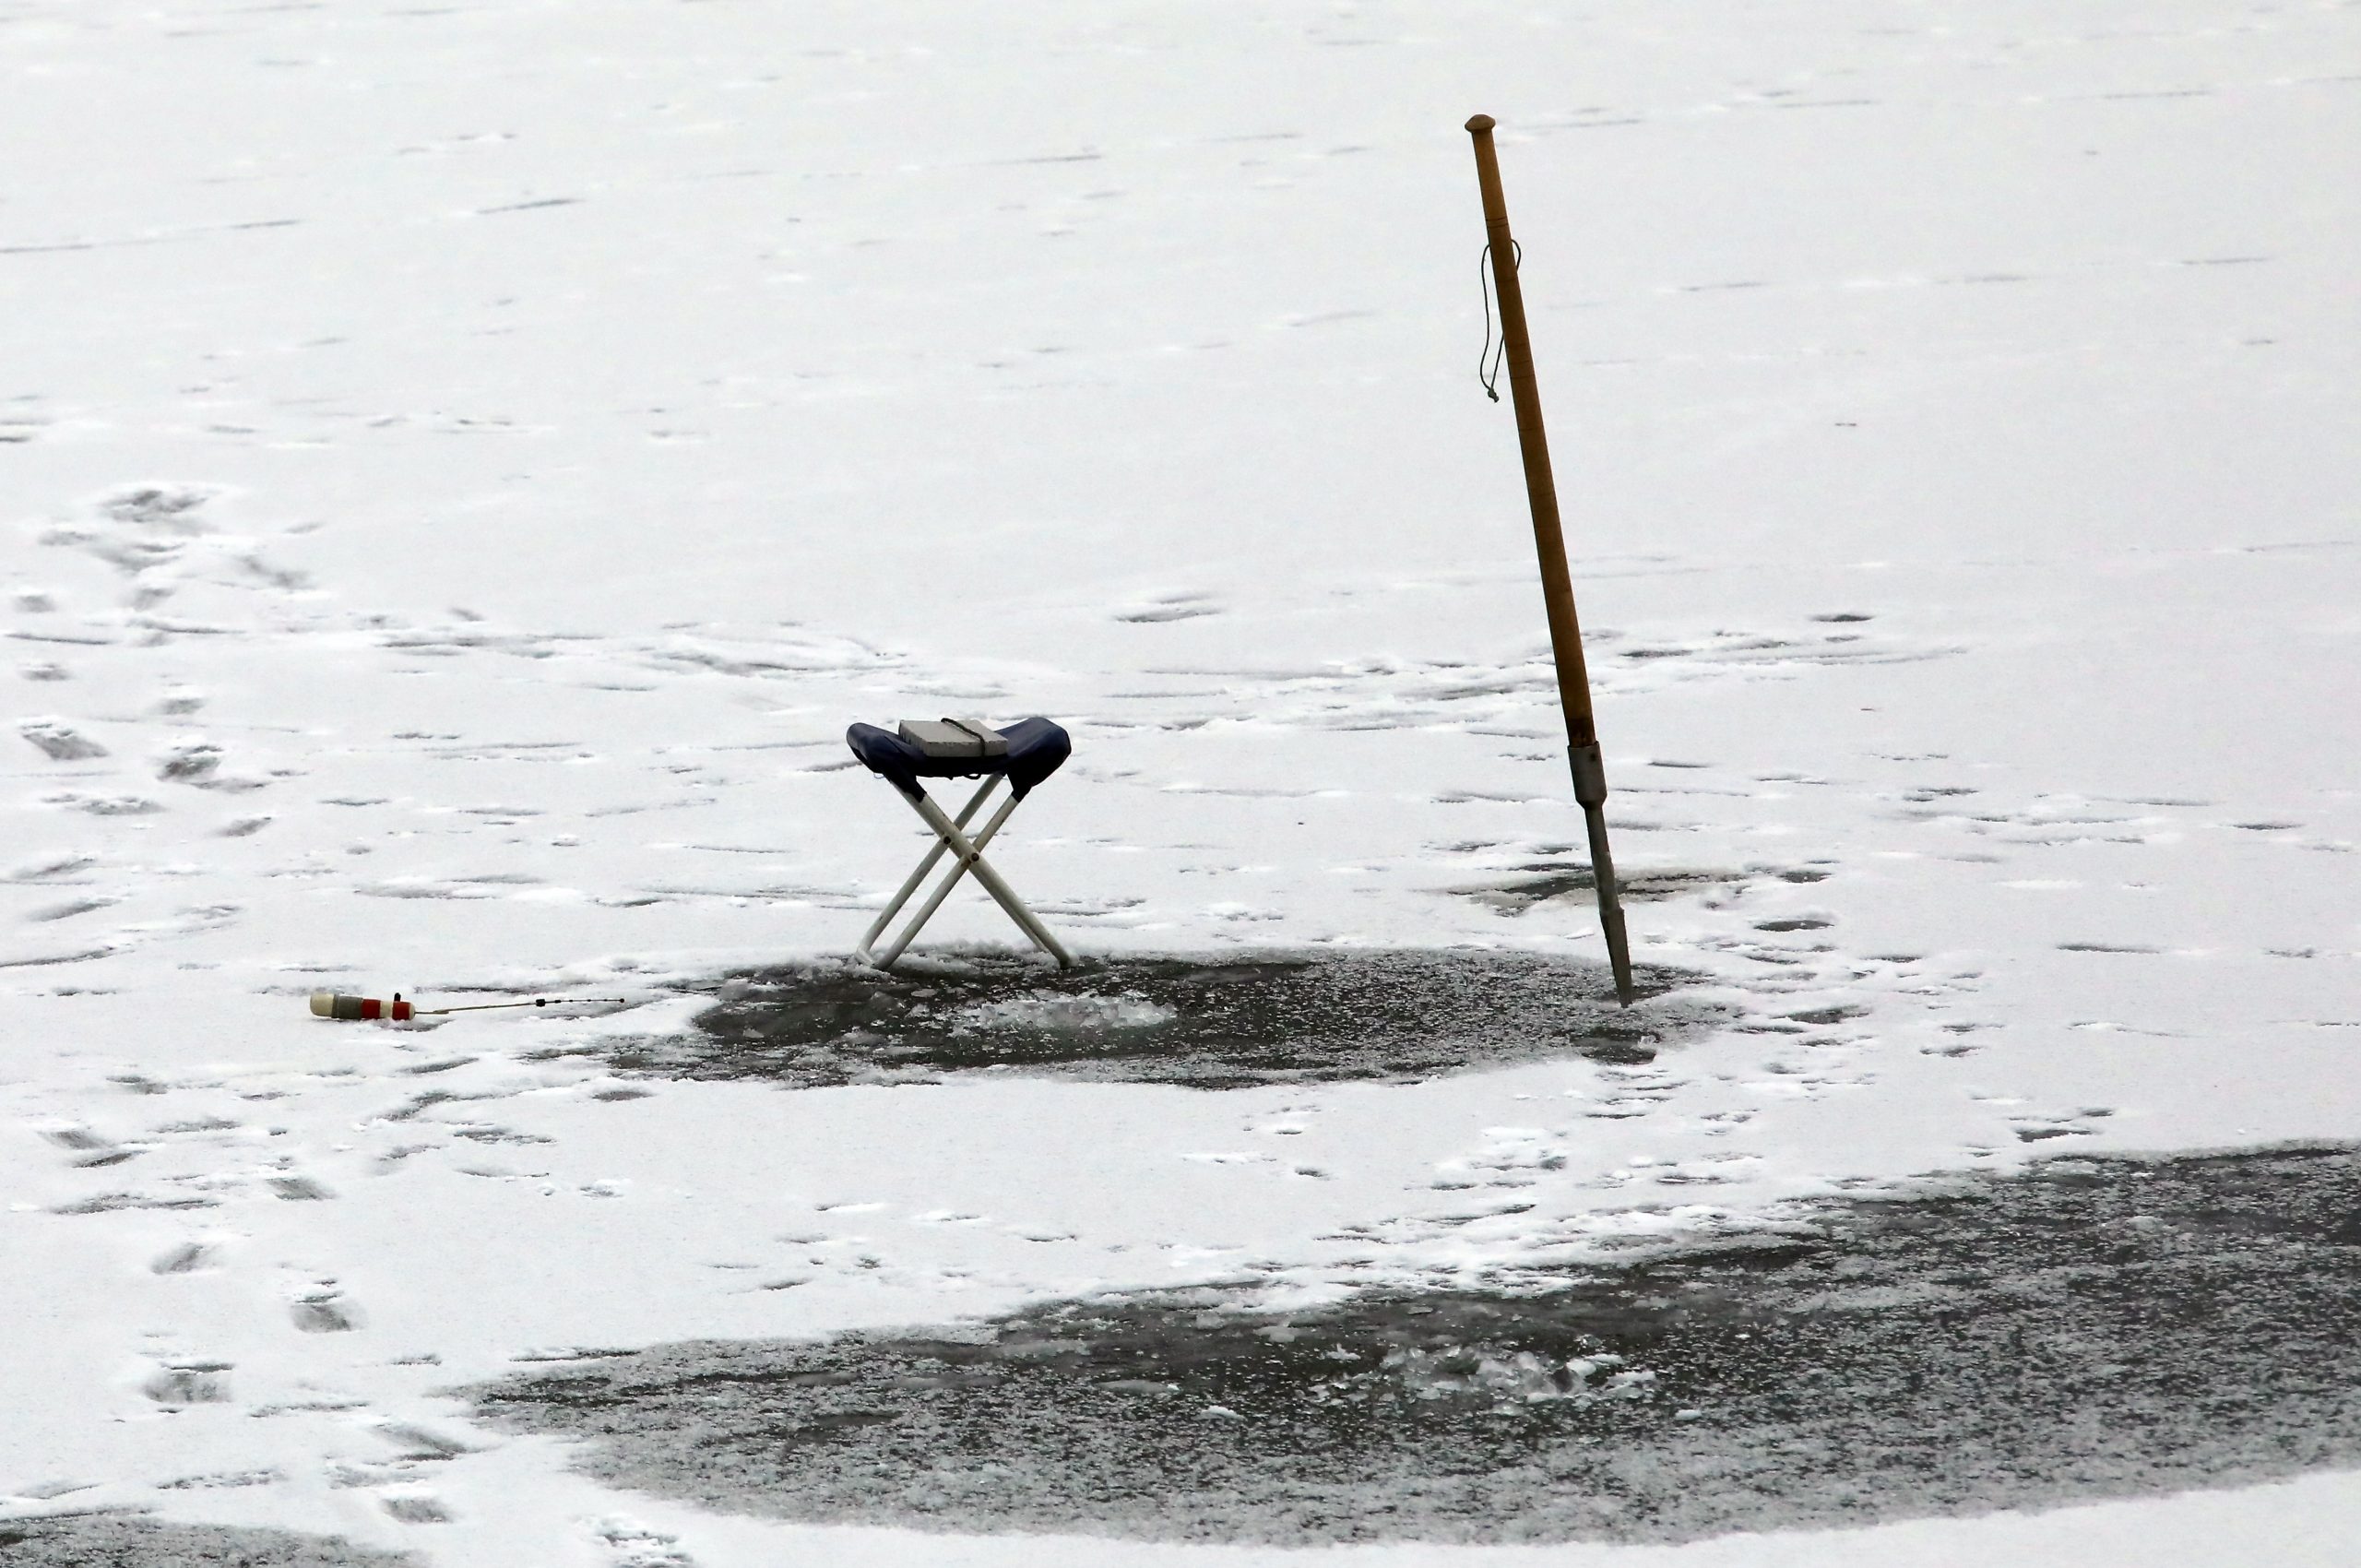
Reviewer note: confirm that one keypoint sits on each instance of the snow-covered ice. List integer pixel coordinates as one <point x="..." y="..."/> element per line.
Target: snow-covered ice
<point x="466" y="465"/>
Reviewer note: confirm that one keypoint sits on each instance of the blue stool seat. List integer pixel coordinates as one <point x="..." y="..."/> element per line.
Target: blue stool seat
<point x="1037" y="748"/>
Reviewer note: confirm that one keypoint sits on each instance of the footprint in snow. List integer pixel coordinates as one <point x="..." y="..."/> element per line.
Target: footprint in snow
<point x="418" y="1443"/>
<point x="327" y="1313"/>
<point x="105" y="805"/>
<point x="413" y="1505"/>
<point x="187" y="1258"/>
<point x="2040" y="1129"/>
<point x="1164" y="606"/>
<point x="59" y="739"/>
<point x="179" y="1383"/>
<point x="633" y="1545"/>
<point x="112" y="1203"/>
<point x="87" y="1148"/>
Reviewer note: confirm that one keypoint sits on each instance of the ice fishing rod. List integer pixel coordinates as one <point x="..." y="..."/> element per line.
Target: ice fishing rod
<point x="1557" y="584"/>
<point x="336" y="1005"/>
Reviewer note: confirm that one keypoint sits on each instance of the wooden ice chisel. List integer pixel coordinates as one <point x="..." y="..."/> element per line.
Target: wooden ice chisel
<point x="1557" y="587"/>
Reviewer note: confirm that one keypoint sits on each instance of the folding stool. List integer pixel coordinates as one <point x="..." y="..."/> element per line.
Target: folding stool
<point x="1024" y="753"/>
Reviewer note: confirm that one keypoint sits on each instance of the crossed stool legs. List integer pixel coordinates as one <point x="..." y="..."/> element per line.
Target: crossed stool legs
<point x="950" y="835"/>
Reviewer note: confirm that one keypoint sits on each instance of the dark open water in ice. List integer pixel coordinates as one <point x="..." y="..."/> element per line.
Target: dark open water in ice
<point x="2090" y="1329"/>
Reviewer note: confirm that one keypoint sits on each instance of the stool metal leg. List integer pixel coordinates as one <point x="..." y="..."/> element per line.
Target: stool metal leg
<point x="893" y="905"/>
<point x="971" y="855"/>
<point x="951" y="879"/>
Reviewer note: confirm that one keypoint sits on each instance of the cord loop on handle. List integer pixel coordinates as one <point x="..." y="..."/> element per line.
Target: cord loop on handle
<point x="1490" y="375"/>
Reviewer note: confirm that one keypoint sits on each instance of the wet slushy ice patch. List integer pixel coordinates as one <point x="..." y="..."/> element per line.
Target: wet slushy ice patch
<point x="122" y="1540"/>
<point x="1207" y="1021"/>
<point x="2085" y="1329"/>
<point x="1563" y="876"/>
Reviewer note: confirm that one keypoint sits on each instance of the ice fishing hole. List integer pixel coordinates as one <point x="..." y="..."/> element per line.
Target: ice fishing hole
<point x="1229" y="1020"/>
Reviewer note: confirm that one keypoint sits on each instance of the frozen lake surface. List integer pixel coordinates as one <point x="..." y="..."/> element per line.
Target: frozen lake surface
<point x="466" y="466"/>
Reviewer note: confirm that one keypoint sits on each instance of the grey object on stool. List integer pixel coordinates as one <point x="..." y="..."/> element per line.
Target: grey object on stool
<point x="964" y="738"/>
<point x="1023" y="754"/>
